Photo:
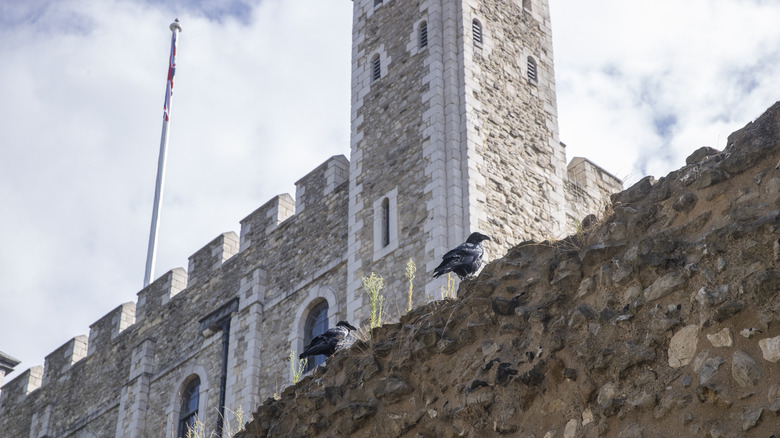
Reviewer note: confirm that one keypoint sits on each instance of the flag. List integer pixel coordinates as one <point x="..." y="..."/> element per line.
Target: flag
<point x="171" y="70"/>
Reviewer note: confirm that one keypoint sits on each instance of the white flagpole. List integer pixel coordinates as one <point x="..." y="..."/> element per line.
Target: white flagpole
<point x="151" y="254"/>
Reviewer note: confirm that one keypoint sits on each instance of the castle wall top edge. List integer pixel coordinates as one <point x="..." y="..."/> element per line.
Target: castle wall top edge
<point x="575" y="161"/>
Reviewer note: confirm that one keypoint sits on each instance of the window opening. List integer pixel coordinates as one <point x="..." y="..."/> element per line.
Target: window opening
<point x="316" y="324"/>
<point x="476" y="30"/>
<point x="385" y="222"/>
<point x="376" y="68"/>
<point x="377" y="3"/>
<point x="527" y="5"/>
<point x="423" y="34"/>
<point x="532" y="69"/>
<point x="188" y="412"/>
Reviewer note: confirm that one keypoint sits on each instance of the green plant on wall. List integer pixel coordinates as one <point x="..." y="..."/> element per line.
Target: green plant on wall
<point x="296" y="367"/>
<point x="449" y="291"/>
<point x="411" y="269"/>
<point x="373" y="284"/>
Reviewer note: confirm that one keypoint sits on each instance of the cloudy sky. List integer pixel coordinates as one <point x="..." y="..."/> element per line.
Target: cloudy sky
<point x="262" y="97"/>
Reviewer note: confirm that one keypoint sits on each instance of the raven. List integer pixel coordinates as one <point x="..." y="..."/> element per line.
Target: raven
<point x="333" y="339"/>
<point x="464" y="260"/>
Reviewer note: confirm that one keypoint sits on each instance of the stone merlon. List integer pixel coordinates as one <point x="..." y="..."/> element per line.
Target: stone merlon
<point x="157" y="294"/>
<point x="59" y="362"/>
<point x="104" y="330"/>
<point x="256" y="226"/>
<point x="211" y="257"/>
<point x="320" y="182"/>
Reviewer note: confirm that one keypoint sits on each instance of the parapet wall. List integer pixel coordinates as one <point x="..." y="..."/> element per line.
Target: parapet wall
<point x="588" y="188"/>
<point x="273" y="236"/>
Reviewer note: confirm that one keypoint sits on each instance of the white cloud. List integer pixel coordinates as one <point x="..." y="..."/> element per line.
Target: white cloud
<point x="262" y="97"/>
<point x="622" y="67"/>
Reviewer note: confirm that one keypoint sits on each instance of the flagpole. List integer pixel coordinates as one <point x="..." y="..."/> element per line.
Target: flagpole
<point x="151" y="254"/>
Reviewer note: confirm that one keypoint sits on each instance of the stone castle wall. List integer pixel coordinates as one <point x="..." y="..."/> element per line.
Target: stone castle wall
<point x="512" y="122"/>
<point x="124" y="379"/>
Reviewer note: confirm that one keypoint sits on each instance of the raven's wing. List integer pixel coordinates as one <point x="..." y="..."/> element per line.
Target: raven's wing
<point x="319" y="345"/>
<point x="463" y="256"/>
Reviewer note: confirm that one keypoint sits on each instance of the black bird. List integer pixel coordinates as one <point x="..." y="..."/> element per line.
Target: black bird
<point x="333" y="339"/>
<point x="464" y="260"/>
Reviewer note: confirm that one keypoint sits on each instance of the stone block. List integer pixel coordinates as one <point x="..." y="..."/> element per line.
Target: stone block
<point x="682" y="347"/>
<point x="770" y="348"/>
<point x="206" y="261"/>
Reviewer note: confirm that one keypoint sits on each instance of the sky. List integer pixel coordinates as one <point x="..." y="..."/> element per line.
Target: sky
<point x="261" y="97"/>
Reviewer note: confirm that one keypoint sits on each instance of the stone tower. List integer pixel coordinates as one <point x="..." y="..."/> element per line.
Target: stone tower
<point x="454" y="130"/>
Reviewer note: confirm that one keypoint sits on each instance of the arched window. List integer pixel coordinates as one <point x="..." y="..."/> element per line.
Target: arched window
<point x="316" y="324"/>
<point x="423" y="32"/>
<point x="476" y="30"/>
<point x="532" y="69"/>
<point x="188" y="413"/>
<point x="385" y="222"/>
<point x="376" y="68"/>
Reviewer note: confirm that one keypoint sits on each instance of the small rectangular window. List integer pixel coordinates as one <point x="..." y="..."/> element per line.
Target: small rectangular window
<point x="476" y="30"/>
<point x="385" y="222"/>
<point x="376" y="68"/>
<point x="377" y="3"/>
<point x="423" y="34"/>
<point x="531" y="69"/>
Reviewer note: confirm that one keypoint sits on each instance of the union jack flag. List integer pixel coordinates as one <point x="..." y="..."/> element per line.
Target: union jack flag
<point x="171" y="72"/>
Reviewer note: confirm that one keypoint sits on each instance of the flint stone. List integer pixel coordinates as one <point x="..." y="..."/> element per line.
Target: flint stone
<point x="671" y="402"/>
<point x="708" y="369"/>
<point x="664" y="285"/>
<point x="750" y="418"/>
<point x="721" y="339"/>
<point x="682" y="347"/>
<point x="727" y="310"/>
<point x="770" y="348"/>
<point x="700" y="154"/>
<point x="752" y="143"/>
<point x="570" y="431"/>
<point x="710" y="297"/>
<point x="587" y="417"/>
<point x="644" y="402"/>
<point x="774" y="393"/>
<point x="568" y="273"/>
<point x="587" y="285"/>
<point x="745" y="370"/>
<point x="482" y="397"/>
<point x="503" y="306"/>
<point x="392" y="389"/>
<point x="685" y="202"/>
<point x="606" y="394"/>
<point x="709" y="177"/>
<point x="635" y="193"/>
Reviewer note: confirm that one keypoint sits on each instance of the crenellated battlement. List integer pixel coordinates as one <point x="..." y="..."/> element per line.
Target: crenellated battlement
<point x="23" y="384"/>
<point x="57" y="364"/>
<point x="157" y="294"/>
<point x="320" y="182"/>
<point x="261" y="222"/>
<point x="105" y="329"/>
<point x="312" y="190"/>
<point x="208" y="259"/>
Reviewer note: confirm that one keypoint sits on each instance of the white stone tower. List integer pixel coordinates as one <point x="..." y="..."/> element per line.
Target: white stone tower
<point x="454" y="130"/>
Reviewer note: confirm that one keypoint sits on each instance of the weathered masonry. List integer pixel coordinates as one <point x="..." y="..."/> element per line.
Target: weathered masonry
<point x="454" y="129"/>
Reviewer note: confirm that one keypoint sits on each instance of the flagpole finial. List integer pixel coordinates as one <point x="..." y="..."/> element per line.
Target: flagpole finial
<point x="175" y="25"/>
